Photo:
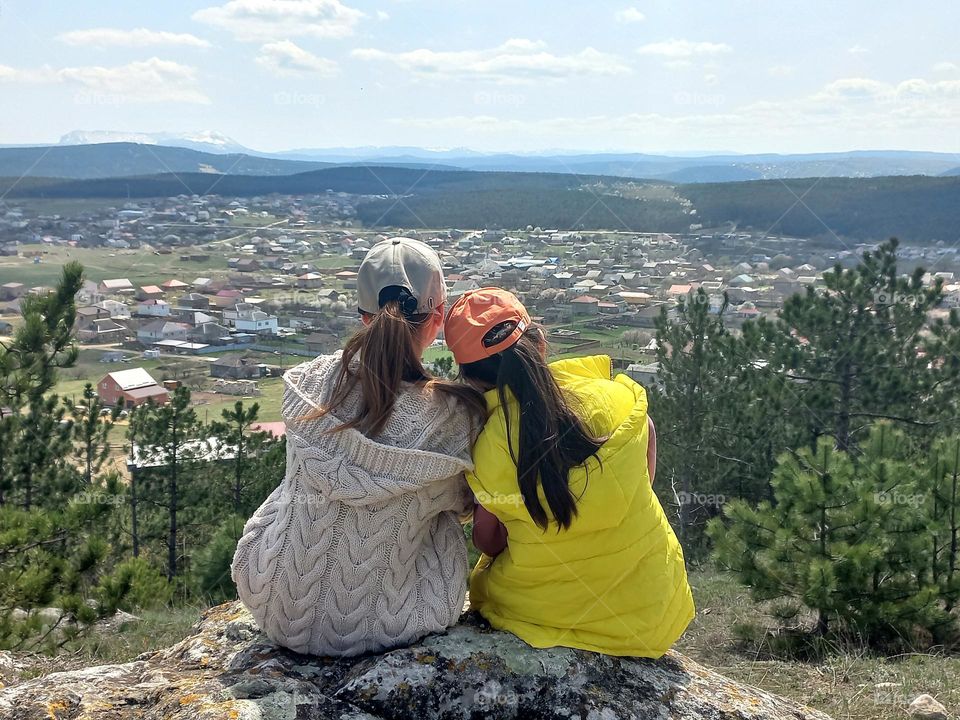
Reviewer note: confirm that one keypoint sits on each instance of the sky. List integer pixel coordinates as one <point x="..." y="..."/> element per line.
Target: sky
<point x="648" y="76"/>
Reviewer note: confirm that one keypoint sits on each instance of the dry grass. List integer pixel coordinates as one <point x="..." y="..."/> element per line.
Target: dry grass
<point x="841" y="684"/>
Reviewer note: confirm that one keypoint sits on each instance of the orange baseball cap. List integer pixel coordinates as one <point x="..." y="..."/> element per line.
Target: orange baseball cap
<point x="475" y="314"/>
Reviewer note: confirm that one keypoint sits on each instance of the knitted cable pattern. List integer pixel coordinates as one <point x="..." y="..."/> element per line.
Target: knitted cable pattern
<point x="359" y="549"/>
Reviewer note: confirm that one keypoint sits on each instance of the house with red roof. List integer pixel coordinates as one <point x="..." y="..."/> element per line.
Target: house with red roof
<point x="585" y="305"/>
<point x="130" y="388"/>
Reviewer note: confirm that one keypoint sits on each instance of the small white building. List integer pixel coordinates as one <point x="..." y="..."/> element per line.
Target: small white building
<point x="256" y="321"/>
<point x="245" y="317"/>
<point x="154" y="308"/>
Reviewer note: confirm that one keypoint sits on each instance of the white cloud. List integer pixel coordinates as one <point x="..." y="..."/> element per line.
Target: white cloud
<point x="29" y="76"/>
<point x="261" y="20"/>
<point x="630" y="15"/>
<point x="710" y="79"/>
<point x="780" y="70"/>
<point x="912" y="90"/>
<point x="516" y="61"/>
<point x="383" y="15"/>
<point x="877" y="113"/>
<point x="946" y="67"/>
<point x="681" y="49"/>
<point x="680" y="54"/>
<point x="853" y="88"/>
<point x="287" y="58"/>
<point x="145" y="81"/>
<point x="138" y="37"/>
<point x="858" y="50"/>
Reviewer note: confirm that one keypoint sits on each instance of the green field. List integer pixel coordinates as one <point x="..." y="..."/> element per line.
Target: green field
<point x="141" y="267"/>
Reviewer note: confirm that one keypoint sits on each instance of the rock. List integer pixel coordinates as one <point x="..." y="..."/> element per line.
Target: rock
<point x="117" y="621"/>
<point x="10" y="668"/>
<point x="227" y="669"/>
<point x="926" y="707"/>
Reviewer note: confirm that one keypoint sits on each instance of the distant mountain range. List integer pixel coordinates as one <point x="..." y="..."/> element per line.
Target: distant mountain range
<point x="102" y="154"/>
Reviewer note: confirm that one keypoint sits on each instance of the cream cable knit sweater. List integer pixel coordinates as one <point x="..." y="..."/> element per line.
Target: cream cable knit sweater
<point x="359" y="549"/>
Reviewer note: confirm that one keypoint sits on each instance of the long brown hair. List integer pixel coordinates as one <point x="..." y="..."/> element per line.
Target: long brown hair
<point x="552" y="438"/>
<point x="388" y="351"/>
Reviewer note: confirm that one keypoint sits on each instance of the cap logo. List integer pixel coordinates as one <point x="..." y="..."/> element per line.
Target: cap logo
<point x="500" y="332"/>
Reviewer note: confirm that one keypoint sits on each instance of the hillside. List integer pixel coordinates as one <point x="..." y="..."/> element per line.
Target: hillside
<point x="915" y="209"/>
<point x="104" y="160"/>
<point x="674" y="168"/>
<point x="97" y="154"/>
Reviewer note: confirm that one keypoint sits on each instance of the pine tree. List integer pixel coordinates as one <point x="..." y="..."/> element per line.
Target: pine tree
<point x="844" y="535"/>
<point x="941" y="491"/>
<point x="32" y="437"/>
<point x="171" y="441"/>
<point x="855" y="351"/>
<point x="690" y="408"/>
<point x="91" y="432"/>
<point x="49" y="553"/>
<point x="235" y="438"/>
<point x="42" y="343"/>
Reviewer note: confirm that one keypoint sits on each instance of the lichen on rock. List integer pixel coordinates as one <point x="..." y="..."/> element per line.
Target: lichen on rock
<point x="228" y="669"/>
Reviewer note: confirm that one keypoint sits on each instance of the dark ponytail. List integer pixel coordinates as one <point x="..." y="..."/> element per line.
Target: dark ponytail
<point x="552" y="438"/>
<point x="389" y="354"/>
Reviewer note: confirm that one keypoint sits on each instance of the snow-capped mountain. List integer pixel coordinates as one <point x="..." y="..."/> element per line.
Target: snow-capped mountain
<point x="204" y="140"/>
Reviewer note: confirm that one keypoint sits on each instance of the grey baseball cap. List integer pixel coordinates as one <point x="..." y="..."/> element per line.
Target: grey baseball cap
<point x="401" y="262"/>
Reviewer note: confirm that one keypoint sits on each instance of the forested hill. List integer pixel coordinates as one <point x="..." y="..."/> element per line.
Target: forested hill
<point x="914" y="208"/>
<point x="106" y="160"/>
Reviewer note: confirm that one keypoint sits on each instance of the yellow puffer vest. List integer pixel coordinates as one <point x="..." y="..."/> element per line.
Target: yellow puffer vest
<point x="615" y="581"/>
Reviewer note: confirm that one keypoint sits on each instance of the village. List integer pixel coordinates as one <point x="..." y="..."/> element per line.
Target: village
<point x="224" y="294"/>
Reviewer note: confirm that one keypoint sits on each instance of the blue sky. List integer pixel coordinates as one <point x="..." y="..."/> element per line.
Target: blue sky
<point x="649" y="76"/>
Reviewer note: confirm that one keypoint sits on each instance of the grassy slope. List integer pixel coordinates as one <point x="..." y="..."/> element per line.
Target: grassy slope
<point x="140" y="267"/>
<point x="842" y="685"/>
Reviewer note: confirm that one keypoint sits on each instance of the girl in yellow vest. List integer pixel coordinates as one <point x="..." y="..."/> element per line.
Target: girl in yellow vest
<point x="577" y="549"/>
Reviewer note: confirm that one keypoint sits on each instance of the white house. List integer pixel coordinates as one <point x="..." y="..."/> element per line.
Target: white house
<point x="117" y="309"/>
<point x="154" y="308"/>
<point x="160" y="329"/>
<point x="245" y="317"/>
<point x="257" y="321"/>
<point x="116" y="285"/>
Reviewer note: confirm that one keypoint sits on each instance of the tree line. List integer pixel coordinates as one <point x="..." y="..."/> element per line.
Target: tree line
<point x="816" y="454"/>
<point x="77" y="535"/>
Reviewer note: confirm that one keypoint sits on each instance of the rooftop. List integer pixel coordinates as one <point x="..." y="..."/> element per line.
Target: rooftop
<point x="132" y="378"/>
